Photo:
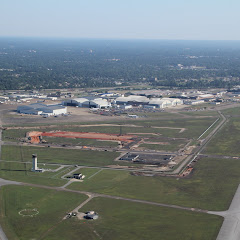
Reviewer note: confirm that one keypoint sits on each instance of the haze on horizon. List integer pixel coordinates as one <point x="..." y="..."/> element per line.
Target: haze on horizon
<point x="132" y="19"/>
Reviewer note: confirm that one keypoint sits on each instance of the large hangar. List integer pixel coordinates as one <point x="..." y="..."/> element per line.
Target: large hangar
<point x="132" y="100"/>
<point x="42" y="109"/>
<point x="158" y="103"/>
<point x="87" y="103"/>
<point x="164" y="102"/>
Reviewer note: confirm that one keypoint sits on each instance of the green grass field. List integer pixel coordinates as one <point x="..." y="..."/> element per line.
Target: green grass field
<point x="231" y="111"/>
<point x="52" y="206"/>
<point x="120" y="220"/>
<point x="226" y="142"/>
<point x="211" y="187"/>
<point x="22" y="172"/>
<point x="80" y="142"/>
<point x="58" y="155"/>
<point x="173" y="145"/>
<point x="205" y="113"/>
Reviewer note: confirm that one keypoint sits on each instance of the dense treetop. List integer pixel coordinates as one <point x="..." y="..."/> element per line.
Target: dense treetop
<point x="54" y="63"/>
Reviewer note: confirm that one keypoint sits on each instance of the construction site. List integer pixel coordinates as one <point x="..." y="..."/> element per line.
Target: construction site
<point x="36" y="137"/>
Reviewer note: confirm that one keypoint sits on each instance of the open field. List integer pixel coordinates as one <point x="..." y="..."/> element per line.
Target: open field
<point x="22" y="172"/>
<point x="193" y="127"/>
<point x="51" y="205"/>
<point x="198" y="113"/>
<point x="58" y="155"/>
<point x="232" y="111"/>
<point x="226" y="142"/>
<point x="211" y="186"/>
<point x="171" y="145"/>
<point x="120" y="220"/>
<point x="80" y="142"/>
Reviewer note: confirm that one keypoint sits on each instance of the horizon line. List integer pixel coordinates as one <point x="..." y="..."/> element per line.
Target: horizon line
<point x="123" y="39"/>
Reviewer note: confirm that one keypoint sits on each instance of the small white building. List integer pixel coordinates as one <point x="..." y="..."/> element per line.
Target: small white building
<point x="193" y="102"/>
<point x="150" y="106"/>
<point x="125" y="107"/>
<point x="133" y="116"/>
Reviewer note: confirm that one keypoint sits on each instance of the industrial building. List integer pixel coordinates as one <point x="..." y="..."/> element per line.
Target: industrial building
<point x="79" y="176"/>
<point x="193" y="102"/>
<point x="42" y="109"/>
<point x="132" y="100"/>
<point x="144" y="101"/>
<point x="164" y="102"/>
<point x="87" y="103"/>
<point x="158" y="103"/>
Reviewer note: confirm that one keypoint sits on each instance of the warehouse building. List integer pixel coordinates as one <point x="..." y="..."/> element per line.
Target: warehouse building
<point x="87" y="103"/>
<point x="158" y="103"/>
<point x="132" y="100"/>
<point x="42" y="109"/>
<point x="173" y="101"/>
<point x="164" y="102"/>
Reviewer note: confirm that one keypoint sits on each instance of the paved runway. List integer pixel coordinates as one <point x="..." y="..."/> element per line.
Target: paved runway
<point x="230" y="229"/>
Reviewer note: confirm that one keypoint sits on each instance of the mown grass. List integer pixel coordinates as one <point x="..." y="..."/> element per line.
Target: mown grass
<point x="58" y="155"/>
<point x="231" y="111"/>
<point x="226" y="141"/>
<point x="200" y="113"/>
<point x="211" y="187"/>
<point x="173" y="145"/>
<point x="120" y="220"/>
<point x="80" y="142"/>
<point x="52" y="206"/>
<point x="22" y="172"/>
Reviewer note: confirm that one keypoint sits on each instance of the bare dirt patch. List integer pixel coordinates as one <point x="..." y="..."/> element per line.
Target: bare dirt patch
<point x="35" y="136"/>
<point x="157" y="143"/>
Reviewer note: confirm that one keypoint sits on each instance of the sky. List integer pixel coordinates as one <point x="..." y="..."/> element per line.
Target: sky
<point x="121" y="19"/>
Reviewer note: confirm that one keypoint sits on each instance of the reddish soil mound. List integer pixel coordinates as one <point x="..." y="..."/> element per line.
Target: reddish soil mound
<point x="101" y="136"/>
<point x="35" y="136"/>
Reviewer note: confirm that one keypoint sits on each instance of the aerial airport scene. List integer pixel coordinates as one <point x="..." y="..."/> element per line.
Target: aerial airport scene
<point x="119" y="120"/>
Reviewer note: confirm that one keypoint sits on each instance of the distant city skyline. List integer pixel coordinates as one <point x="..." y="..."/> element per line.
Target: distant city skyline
<point x="132" y="19"/>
